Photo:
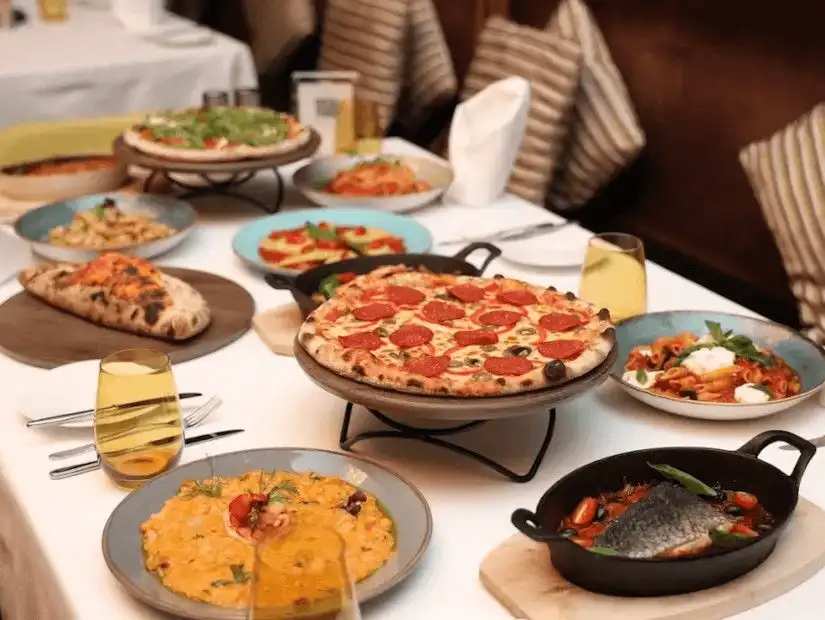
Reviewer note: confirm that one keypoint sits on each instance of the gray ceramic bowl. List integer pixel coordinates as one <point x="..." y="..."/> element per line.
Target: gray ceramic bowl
<point x="123" y="550"/>
<point x="311" y="178"/>
<point x="35" y="225"/>
<point x="802" y="354"/>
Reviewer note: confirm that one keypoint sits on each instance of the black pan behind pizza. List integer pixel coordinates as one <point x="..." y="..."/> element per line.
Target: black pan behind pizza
<point x="306" y="284"/>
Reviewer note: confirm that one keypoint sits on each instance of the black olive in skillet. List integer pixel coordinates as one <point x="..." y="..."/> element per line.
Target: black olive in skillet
<point x="554" y="370"/>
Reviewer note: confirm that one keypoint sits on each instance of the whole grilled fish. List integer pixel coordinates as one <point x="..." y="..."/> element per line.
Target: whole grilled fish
<point x="669" y="521"/>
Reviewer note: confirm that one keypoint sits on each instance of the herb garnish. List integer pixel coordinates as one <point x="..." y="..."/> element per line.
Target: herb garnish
<point x="278" y="493"/>
<point x="641" y="375"/>
<point x="692" y="484"/>
<point x="203" y="487"/>
<point x="603" y="551"/>
<point x="740" y="345"/>
<point x="721" y="538"/>
<point x="763" y="388"/>
<point x="331" y="234"/>
<point x="239" y="574"/>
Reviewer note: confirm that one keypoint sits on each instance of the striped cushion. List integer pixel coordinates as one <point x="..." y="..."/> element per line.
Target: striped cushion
<point x="429" y="73"/>
<point x="277" y="29"/>
<point x="367" y="36"/>
<point x="551" y="64"/>
<point x="606" y="136"/>
<point x="786" y="172"/>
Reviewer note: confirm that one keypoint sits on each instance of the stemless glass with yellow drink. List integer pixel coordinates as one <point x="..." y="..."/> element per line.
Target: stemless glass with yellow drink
<point x="358" y="130"/>
<point x="302" y="571"/>
<point x="614" y="275"/>
<point x="138" y="426"/>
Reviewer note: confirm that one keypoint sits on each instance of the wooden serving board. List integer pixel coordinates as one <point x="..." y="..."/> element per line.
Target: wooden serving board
<point x="519" y="574"/>
<point x="35" y="333"/>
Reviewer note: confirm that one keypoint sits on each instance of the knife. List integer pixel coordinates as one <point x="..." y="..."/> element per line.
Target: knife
<point x="817" y="441"/>
<point x="81" y="468"/>
<point x="85" y="413"/>
<point x="522" y="232"/>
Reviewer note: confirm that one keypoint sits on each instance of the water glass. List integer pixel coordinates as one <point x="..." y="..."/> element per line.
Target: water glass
<point x="215" y="99"/>
<point x="302" y="571"/>
<point x="614" y="276"/>
<point x="138" y="425"/>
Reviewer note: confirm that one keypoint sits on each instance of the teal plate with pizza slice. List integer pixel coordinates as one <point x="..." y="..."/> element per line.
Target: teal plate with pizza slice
<point x="291" y="242"/>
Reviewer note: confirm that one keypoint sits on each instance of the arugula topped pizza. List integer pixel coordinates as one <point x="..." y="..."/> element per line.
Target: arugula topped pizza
<point x="217" y="134"/>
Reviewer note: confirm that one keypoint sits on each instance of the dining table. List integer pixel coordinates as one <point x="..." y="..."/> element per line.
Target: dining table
<point x="50" y="531"/>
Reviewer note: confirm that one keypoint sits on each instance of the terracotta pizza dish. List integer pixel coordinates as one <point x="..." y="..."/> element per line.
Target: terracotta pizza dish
<point x="454" y="335"/>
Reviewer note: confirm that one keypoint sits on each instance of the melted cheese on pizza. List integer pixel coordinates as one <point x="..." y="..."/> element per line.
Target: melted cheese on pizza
<point x="310" y="246"/>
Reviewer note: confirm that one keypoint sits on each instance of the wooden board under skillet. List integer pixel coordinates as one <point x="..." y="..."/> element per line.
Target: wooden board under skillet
<point x="407" y="405"/>
<point x="35" y="333"/>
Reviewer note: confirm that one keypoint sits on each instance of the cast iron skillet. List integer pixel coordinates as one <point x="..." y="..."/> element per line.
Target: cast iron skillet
<point x="306" y="283"/>
<point x="740" y="470"/>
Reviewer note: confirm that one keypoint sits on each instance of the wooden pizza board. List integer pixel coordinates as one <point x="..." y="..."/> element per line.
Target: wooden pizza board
<point x="278" y="326"/>
<point x="519" y="574"/>
<point x="35" y="333"/>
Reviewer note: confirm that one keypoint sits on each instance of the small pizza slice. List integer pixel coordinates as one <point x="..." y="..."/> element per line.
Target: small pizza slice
<point x="121" y="292"/>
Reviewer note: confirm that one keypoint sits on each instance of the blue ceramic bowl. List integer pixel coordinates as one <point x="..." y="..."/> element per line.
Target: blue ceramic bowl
<point x="35" y="225"/>
<point x="417" y="239"/>
<point x="802" y="354"/>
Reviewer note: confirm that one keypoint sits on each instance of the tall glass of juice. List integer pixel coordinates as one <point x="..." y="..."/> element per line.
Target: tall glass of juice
<point x="614" y="275"/>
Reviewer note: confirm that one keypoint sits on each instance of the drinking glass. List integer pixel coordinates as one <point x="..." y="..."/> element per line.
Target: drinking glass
<point x="614" y="276"/>
<point x="52" y="10"/>
<point x="247" y="98"/>
<point x="358" y="130"/>
<point x="302" y="571"/>
<point x="138" y="426"/>
<point x="215" y="99"/>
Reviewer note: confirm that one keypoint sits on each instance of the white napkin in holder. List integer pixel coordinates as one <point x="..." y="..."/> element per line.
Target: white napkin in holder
<point x="485" y="137"/>
<point x="141" y="16"/>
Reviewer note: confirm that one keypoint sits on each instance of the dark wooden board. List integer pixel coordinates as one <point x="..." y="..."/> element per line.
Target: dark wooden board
<point x="134" y="157"/>
<point x="35" y="333"/>
<point x="404" y="404"/>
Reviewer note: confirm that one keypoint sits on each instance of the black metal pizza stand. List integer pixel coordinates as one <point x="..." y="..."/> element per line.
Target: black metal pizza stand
<point x="236" y="172"/>
<point x="387" y="406"/>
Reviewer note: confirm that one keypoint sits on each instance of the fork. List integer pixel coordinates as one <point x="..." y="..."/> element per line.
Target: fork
<point x="191" y="419"/>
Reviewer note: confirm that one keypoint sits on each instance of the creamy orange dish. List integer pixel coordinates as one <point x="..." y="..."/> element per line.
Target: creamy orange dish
<point x="201" y="543"/>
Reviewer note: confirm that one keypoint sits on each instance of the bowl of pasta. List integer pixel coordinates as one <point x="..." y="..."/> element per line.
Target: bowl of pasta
<point x="716" y="366"/>
<point x="79" y="229"/>
<point x="386" y="182"/>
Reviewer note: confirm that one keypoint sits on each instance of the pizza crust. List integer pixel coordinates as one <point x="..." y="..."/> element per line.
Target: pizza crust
<point x="364" y="366"/>
<point x="186" y="317"/>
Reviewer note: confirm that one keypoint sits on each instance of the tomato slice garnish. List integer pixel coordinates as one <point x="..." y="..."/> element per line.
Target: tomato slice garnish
<point x="345" y="277"/>
<point x="585" y="511"/>
<point x="738" y="528"/>
<point x="745" y="501"/>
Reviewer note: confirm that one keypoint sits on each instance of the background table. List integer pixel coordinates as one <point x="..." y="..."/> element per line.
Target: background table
<point x="91" y="66"/>
<point x="53" y="529"/>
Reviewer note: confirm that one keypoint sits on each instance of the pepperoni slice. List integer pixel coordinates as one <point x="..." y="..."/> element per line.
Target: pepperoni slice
<point x="438" y="312"/>
<point x="411" y="336"/>
<point x="562" y="349"/>
<point x="476" y="336"/>
<point x="517" y="298"/>
<point x="501" y="318"/>
<point x="404" y="295"/>
<point x="508" y="366"/>
<point x="362" y="340"/>
<point x="373" y="312"/>
<point x="467" y="292"/>
<point x="560" y="321"/>
<point x="427" y="365"/>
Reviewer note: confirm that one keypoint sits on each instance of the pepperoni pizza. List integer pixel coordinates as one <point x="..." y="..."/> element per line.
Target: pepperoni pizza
<point x="416" y="331"/>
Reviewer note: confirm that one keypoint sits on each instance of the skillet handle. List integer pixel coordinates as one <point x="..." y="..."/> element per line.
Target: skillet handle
<point x="807" y="450"/>
<point x="493" y="253"/>
<point x="282" y="283"/>
<point x="527" y="523"/>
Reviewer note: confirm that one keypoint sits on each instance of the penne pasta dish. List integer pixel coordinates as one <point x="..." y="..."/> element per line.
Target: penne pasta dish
<point x="379" y="177"/>
<point x="719" y="367"/>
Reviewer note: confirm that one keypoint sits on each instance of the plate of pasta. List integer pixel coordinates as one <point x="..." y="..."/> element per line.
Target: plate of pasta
<point x="716" y="366"/>
<point x="386" y="182"/>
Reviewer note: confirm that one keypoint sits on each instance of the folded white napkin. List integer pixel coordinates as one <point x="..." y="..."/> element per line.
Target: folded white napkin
<point x="485" y="136"/>
<point x="139" y="15"/>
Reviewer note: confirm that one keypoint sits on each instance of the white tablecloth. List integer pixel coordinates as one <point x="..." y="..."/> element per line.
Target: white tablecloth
<point x="90" y="66"/>
<point x="279" y="406"/>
